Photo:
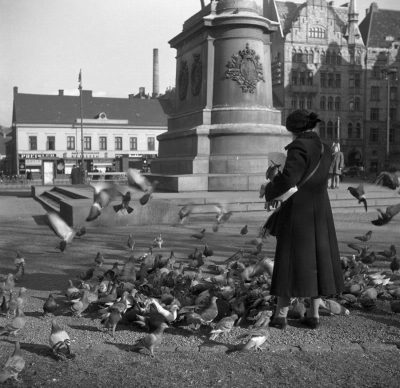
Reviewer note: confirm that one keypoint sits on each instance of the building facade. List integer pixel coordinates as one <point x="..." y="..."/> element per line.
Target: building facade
<point x="113" y="133"/>
<point x="380" y="30"/>
<point x="317" y="64"/>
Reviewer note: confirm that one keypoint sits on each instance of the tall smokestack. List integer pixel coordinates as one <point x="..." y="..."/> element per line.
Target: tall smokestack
<point x="156" y="74"/>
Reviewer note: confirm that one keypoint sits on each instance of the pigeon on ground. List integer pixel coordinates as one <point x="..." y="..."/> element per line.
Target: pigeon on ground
<point x="366" y="237"/>
<point x="79" y="306"/>
<point x="131" y="242"/>
<point x="359" y="194"/>
<point x="60" y="342"/>
<point x="200" y="235"/>
<point x="111" y="319"/>
<point x="386" y="217"/>
<point x="124" y="205"/>
<point x="210" y="312"/>
<point x="142" y="184"/>
<point x="99" y="259"/>
<point x="16" y="325"/>
<point x="151" y="340"/>
<point x="225" y="325"/>
<point x="14" y="365"/>
<point x="72" y="292"/>
<point x="50" y="305"/>
<point x="104" y="193"/>
<point x="244" y="230"/>
<point x="257" y="337"/>
<point x="63" y="230"/>
<point x="158" y="241"/>
<point x="207" y="251"/>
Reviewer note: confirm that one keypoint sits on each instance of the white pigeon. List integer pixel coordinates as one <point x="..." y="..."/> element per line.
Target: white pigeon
<point x="104" y="193"/>
<point x="141" y="183"/>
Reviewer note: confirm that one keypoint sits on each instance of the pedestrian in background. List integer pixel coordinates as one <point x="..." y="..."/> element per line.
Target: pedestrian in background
<point x="335" y="170"/>
<point x="307" y="261"/>
<point x="75" y="175"/>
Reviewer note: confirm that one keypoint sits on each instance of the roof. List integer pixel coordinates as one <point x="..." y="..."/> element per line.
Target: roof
<point x="378" y="24"/>
<point x="289" y="11"/>
<point x="62" y="109"/>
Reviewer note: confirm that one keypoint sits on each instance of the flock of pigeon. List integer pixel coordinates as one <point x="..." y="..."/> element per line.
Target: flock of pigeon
<point x="153" y="292"/>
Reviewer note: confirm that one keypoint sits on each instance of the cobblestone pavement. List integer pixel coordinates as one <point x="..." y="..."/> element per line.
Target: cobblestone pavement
<point x="359" y="350"/>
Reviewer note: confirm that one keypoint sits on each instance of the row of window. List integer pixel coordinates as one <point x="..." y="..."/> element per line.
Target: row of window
<point x="374" y="135"/>
<point x="376" y="91"/>
<point x="374" y="114"/>
<point x="308" y="56"/>
<point x="328" y="103"/>
<point x="327" y="80"/>
<point x="330" y="130"/>
<point x="87" y="143"/>
<point x="330" y="80"/>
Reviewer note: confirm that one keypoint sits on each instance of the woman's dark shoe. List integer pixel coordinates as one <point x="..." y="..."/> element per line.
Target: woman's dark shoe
<point x="279" y="323"/>
<point x="311" y="322"/>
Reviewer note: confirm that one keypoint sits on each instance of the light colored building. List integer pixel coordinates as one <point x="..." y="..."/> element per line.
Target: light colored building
<point x="380" y="30"/>
<point x="117" y="132"/>
<point x="317" y="59"/>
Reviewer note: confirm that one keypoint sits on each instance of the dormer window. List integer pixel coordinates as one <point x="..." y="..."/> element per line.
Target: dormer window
<point x="317" y="32"/>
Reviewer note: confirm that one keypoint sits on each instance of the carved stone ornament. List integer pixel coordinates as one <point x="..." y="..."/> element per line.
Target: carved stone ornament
<point x="183" y="80"/>
<point x="245" y="69"/>
<point x="195" y="75"/>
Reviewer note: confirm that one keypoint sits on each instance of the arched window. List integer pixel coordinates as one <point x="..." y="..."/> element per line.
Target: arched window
<point x="322" y="129"/>
<point x="301" y="103"/>
<point x="311" y="57"/>
<point x="337" y="103"/>
<point x="358" y="130"/>
<point x="310" y="77"/>
<point x="322" y="103"/>
<point x="339" y="58"/>
<point x="294" y="77"/>
<point x="294" y="102"/>
<point x="350" y="130"/>
<point x="300" y="56"/>
<point x="309" y="102"/>
<point x="302" y="79"/>
<point x="329" y="128"/>
<point x="294" y="57"/>
<point x="328" y="57"/>
<point x="330" y="103"/>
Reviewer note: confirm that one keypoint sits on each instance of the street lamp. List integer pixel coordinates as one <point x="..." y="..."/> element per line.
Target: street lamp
<point x="389" y="73"/>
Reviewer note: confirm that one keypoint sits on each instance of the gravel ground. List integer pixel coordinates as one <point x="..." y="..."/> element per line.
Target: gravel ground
<point x="359" y="350"/>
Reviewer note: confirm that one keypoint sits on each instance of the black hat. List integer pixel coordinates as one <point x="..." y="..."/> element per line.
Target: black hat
<point x="301" y="120"/>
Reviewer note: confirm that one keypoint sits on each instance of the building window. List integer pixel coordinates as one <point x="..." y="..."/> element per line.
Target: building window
<point x="323" y="58"/>
<point x="330" y="103"/>
<point x="393" y="93"/>
<point x="103" y="143"/>
<point x="337" y="103"/>
<point x="33" y="143"/>
<point x="374" y="114"/>
<point x="51" y="143"/>
<point x="302" y="79"/>
<point x="329" y="128"/>
<point x="357" y="103"/>
<point x="322" y="103"/>
<point x="294" y="57"/>
<point x="70" y="142"/>
<point x="338" y="81"/>
<point x="330" y="80"/>
<point x="87" y="143"/>
<point x="310" y="77"/>
<point x="151" y="144"/>
<point x="391" y="135"/>
<point x="357" y="80"/>
<point x="322" y="129"/>
<point x="133" y="143"/>
<point x="311" y="57"/>
<point x="118" y="143"/>
<point x="376" y="72"/>
<point x="373" y="135"/>
<point x="349" y="130"/>
<point x="294" y="77"/>
<point x="392" y="114"/>
<point x="309" y="102"/>
<point x="374" y="93"/>
<point x="294" y="103"/>
<point x="351" y="80"/>
<point x="323" y="79"/>
<point x="339" y="59"/>
<point x="358" y="130"/>
<point x="301" y="103"/>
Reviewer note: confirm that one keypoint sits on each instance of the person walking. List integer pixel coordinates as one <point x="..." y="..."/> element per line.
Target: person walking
<point x="335" y="170"/>
<point x="307" y="261"/>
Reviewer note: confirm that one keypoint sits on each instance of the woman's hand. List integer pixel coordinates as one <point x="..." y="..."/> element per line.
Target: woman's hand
<point x="272" y="205"/>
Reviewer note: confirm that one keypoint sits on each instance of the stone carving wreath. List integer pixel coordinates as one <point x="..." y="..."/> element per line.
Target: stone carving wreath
<point x="195" y="75"/>
<point x="183" y="80"/>
<point x="245" y="69"/>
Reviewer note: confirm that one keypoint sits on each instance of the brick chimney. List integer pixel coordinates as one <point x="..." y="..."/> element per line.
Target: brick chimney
<point x="60" y="92"/>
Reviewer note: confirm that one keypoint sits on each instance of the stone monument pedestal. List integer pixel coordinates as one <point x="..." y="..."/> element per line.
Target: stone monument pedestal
<point x="223" y="130"/>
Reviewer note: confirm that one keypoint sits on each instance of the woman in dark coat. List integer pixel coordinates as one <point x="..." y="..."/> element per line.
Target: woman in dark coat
<point x="307" y="261"/>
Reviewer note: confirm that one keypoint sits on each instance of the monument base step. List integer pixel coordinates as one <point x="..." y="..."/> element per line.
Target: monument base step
<point x="208" y="182"/>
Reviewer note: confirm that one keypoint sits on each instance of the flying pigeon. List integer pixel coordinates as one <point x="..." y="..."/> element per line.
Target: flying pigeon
<point x="124" y="205"/>
<point x="104" y="193"/>
<point x="359" y="194"/>
<point x="386" y="217"/>
<point x="142" y="184"/>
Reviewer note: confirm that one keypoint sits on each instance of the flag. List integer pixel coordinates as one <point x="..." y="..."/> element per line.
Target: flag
<point x="80" y="78"/>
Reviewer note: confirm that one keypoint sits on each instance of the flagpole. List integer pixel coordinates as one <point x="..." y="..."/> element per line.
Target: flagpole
<point x="81" y="113"/>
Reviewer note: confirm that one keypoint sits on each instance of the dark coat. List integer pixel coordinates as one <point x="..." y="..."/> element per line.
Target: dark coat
<point x="307" y="261"/>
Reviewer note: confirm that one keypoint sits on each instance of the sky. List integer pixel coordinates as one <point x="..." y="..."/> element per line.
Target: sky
<point x="44" y="44"/>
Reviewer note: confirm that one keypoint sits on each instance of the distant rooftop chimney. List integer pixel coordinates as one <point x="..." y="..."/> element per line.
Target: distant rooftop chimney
<point x="60" y="92"/>
<point x="142" y="92"/>
<point x="86" y="93"/>
<point x="15" y="90"/>
<point x="156" y="74"/>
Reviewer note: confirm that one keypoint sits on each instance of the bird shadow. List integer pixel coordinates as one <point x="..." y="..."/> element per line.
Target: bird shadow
<point x="38" y="349"/>
<point x="124" y="347"/>
<point x="34" y="314"/>
<point x="85" y="328"/>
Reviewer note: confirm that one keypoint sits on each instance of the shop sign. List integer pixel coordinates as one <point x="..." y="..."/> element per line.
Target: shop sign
<point x="37" y="156"/>
<point x="33" y="162"/>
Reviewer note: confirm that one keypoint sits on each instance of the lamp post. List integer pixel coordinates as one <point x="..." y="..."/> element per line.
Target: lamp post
<point x="388" y="73"/>
<point x="81" y="116"/>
